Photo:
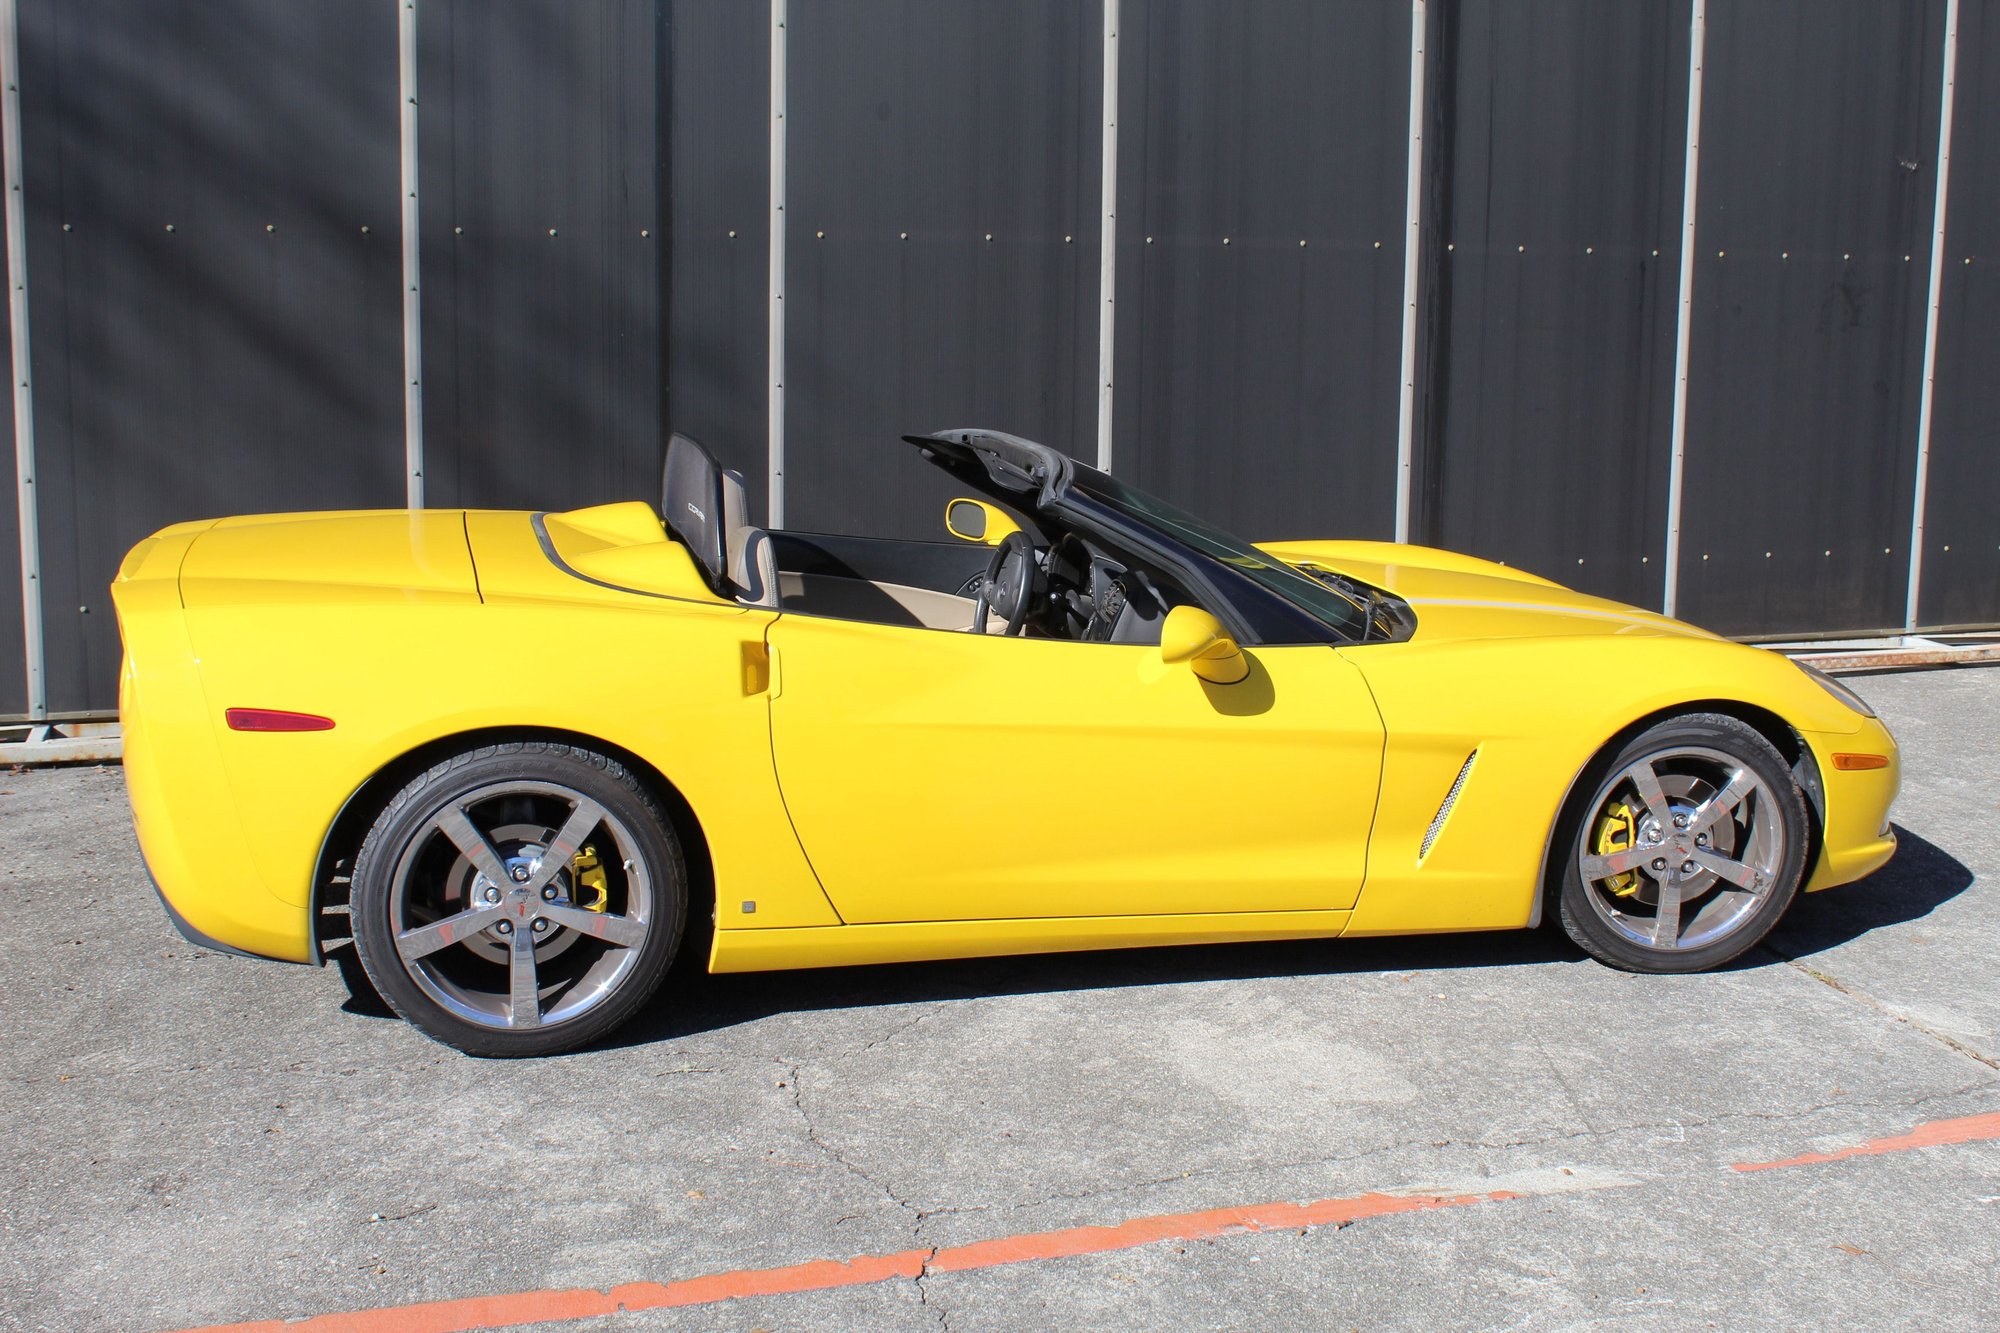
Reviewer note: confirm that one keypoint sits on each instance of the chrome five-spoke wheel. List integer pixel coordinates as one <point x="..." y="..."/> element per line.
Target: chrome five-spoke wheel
<point x="1688" y="850"/>
<point x="519" y="900"/>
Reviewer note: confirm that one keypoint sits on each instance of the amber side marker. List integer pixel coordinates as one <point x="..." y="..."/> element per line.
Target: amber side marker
<point x="1855" y="763"/>
<point x="274" y="719"/>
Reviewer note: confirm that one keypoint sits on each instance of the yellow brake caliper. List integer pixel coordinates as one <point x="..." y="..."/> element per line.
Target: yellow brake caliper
<point x="1617" y="829"/>
<point x="592" y="893"/>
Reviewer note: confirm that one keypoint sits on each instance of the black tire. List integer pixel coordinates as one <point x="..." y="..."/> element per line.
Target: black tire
<point x="551" y="985"/>
<point x="1747" y="860"/>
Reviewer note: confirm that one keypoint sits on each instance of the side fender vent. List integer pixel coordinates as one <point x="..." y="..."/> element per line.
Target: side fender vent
<point x="1444" y="811"/>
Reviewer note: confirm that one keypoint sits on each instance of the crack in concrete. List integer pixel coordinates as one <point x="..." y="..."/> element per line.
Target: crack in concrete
<point x="1888" y="1011"/>
<point x="832" y="1151"/>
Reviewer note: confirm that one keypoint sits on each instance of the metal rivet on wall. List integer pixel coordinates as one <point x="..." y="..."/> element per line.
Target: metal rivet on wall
<point x="1520" y="249"/>
<point x="458" y="231"/>
<point x="903" y="236"/>
<point x="1590" y="249"/>
<point x="270" y="227"/>
<point x="65" y="226"/>
<point x="645" y="232"/>
<point x="1149" y="241"/>
<point x="170" y="226"/>
<point x="364" y="229"/>
<point x="819" y="235"/>
<point x="989" y="235"/>
<point x="732" y="235"/>
<point x="552" y="231"/>
<point x="1225" y="240"/>
<point x="1720" y="253"/>
<point x="1067" y="240"/>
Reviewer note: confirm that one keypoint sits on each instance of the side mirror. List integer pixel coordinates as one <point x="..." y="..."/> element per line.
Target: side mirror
<point x="1192" y="635"/>
<point x="977" y="521"/>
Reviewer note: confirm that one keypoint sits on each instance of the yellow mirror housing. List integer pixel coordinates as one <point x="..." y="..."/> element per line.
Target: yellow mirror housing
<point x="1192" y="635"/>
<point x="977" y="521"/>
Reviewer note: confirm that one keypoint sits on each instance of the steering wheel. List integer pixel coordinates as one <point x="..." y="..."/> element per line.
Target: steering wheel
<point x="1011" y="585"/>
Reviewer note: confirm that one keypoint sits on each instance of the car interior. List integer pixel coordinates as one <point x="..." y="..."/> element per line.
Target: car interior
<point x="1028" y="583"/>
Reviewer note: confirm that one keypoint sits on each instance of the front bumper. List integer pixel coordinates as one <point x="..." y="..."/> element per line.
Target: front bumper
<point x="1856" y="836"/>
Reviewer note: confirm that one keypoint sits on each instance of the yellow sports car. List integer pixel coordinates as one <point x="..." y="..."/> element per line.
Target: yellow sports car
<point x="523" y="751"/>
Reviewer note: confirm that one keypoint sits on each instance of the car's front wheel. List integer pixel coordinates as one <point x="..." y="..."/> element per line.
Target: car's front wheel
<point x="1686" y="850"/>
<point x="519" y="899"/>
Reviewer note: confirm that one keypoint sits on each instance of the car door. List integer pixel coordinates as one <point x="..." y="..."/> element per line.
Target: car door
<point x="933" y="775"/>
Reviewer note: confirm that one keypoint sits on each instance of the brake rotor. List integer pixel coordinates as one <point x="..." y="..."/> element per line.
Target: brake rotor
<point x="1618" y="827"/>
<point x="518" y="846"/>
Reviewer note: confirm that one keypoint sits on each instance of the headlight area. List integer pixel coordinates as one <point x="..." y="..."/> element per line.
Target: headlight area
<point x="1836" y="689"/>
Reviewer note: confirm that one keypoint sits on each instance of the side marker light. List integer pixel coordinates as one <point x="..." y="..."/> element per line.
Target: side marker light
<point x="274" y="719"/>
<point x="1855" y="763"/>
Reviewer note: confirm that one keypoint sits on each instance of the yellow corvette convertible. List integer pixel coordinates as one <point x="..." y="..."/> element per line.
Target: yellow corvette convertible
<point x="523" y="750"/>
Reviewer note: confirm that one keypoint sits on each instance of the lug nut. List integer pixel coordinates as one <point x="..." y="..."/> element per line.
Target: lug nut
<point x="1660" y="863"/>
<point x="549" y="893"/>
<point x="505" y="927"/>
<point x="540" y="925"/>
<point x="1688" y="867"/>
<point x="1701" y="840"/>
<point x="1680" y="821"/>
<point x="492" y="894"/>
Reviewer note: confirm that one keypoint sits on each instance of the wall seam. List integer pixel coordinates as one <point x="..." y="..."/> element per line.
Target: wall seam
<point x="34" y="645"/>
<point x="1690" y="180"/>
<point x="1927" y="393"/>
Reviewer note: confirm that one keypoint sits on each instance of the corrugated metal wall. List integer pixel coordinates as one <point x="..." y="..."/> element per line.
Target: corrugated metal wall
<point x="217" y="297"/>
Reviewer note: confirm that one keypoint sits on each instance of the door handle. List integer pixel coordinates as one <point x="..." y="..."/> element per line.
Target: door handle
<point x="760" y="669"/>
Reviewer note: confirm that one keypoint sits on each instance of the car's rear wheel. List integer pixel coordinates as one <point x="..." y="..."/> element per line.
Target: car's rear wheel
<point x="1686" y="850"/>
<point x="519" y="899"/>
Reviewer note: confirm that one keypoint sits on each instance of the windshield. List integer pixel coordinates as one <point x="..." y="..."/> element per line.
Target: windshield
<point x="1346" y="614"/>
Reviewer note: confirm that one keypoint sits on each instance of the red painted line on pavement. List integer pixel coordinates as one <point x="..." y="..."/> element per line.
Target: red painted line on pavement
<point x="1934" y="1134"/>
<point x="534" y="1307"/>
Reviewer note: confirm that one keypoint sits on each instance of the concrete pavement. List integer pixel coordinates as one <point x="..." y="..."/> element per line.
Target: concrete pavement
<point x="200" y="1139"/>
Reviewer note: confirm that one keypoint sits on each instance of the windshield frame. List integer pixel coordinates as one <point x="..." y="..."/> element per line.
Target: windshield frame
<point x="1347" y="616"/>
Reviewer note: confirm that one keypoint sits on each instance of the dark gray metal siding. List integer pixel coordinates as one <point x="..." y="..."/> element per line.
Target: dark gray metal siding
<point x="1962" y="516"/>
<point x="1819" y="136"/>
<point x="1257" y="378"/>
<point x="949" y="122"/>
<point x="249" y="358"/>
<point x="540" y="138"/>
<point x="719" y="78"/>
<point x="1558" y="150"/>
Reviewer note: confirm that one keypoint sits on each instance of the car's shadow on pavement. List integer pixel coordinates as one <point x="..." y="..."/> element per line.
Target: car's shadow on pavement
<point x="1920" y="877"/>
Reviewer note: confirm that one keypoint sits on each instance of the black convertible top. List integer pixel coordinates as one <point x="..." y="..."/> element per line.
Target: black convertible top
<point x="1002" y="465"/>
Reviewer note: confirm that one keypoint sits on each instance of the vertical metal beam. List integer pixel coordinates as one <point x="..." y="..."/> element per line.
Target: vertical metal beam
<point x="24" y="393"/>
<point x="413" y="345"/>
<point x="1413" y="200"/>
<point x="1931" y="318"/>
<point x="1107" y="246"/>
<point x="1690" y="177"/>
<point x="775" y="379"/>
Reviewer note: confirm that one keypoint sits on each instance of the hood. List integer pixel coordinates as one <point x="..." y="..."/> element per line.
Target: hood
<point x="1463" y="597"/>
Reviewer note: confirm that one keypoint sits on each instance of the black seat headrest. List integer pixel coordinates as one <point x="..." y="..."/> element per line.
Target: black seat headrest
<point x="691" y="504"/>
